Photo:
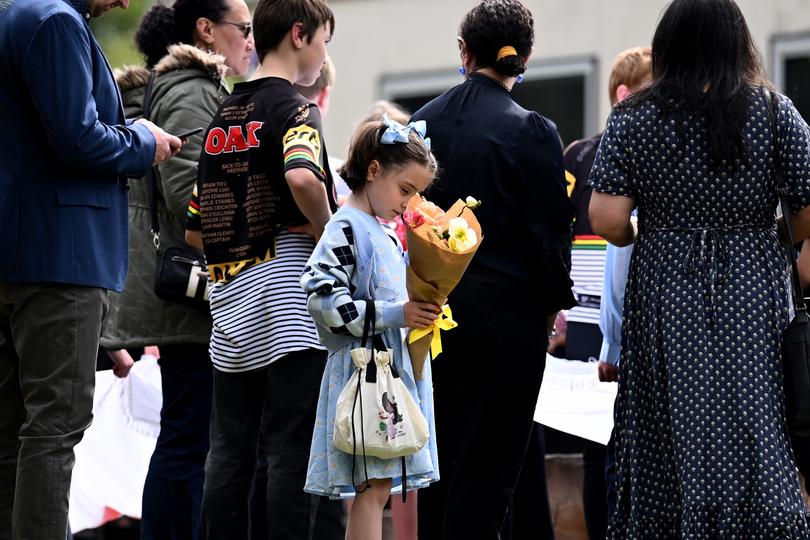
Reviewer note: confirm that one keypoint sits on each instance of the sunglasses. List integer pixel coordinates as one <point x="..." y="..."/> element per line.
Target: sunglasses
<point x="246" y="28"/>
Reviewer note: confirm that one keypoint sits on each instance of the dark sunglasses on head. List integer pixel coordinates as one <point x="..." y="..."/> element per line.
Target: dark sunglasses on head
<point x="246" y="27"/>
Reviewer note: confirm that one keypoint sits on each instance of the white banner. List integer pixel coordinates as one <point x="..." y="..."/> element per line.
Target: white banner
<point x="573" y="400"/>
<point x="113" y="457"/>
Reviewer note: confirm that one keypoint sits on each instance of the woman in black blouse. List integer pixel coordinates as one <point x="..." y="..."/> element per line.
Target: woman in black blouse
<point x="487" y="380"/>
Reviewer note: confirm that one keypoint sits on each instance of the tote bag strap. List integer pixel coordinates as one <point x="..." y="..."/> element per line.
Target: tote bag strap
<point x="772" y="100"/>
<point x="377" y="342"/>
<point x="371" y="377"/>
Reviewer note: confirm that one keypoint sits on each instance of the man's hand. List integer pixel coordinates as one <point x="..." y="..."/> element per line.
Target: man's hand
<point x="194" y="239"/>
<point x="122" y="362"/>
<point x="420" y="314"/>
<point x="556" y="328"/>
<point x="166" y="145"/>
<point x="608" y="372"/>
<point x="556" y="341"/>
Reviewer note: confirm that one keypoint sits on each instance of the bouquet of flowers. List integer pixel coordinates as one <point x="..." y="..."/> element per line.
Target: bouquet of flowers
<point x="440" y="247"/>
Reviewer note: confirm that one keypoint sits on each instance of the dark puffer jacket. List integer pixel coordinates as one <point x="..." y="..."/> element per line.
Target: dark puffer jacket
<point x="187" y="91"/>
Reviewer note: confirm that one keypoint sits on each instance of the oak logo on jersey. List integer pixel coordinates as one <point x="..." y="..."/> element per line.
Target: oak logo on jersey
<point x="236" y="139"/>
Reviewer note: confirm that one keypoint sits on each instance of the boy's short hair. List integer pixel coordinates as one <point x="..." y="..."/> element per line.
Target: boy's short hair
<point x="630" y="68"/>
<point x="381" y="107"/>
<point x="274" y="18"/>
<point x="325" y="80"/>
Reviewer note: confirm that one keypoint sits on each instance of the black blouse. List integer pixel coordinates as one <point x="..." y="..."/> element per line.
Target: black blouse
<point x="511" y="159"/>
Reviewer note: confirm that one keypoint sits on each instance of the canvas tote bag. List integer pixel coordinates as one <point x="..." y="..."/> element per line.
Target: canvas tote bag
<point x="375" y="413"/>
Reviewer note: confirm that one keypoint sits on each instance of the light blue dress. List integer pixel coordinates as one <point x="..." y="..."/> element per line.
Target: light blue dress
<point x="357" y="259"/>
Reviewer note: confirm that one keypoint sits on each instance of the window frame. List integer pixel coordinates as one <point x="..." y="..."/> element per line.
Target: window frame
<point x="784" y="47"/>
<point x="418" y="83"/>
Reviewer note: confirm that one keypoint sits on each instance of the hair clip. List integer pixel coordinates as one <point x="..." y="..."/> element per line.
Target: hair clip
<point x="397" y="133"/>
<point x="506" y="51"/>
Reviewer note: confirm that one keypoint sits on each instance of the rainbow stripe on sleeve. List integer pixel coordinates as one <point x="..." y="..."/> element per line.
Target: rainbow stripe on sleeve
<point x="193" y="208"/>
<point x="194" y="204"/>
<point x="302" y="147"/>
<point x="300" y="152"/>
<point x="589" y="242"/>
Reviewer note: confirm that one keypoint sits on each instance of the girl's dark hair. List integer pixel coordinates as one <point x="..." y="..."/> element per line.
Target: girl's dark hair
<point x="366" y="147"/>
<point x="704" y="60"/>
<point x="163" y="26"/>
<point x="494" y="24"/>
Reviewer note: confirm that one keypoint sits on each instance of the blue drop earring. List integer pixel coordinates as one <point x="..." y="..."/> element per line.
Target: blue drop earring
<point x="463" y="71"/>
<point x="519" y="78"/>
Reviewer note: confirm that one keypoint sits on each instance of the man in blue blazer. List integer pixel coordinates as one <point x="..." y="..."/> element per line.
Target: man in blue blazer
<point x="66" y="152"/>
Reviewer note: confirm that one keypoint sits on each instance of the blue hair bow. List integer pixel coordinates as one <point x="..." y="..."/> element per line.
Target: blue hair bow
<point x="396" y="132"/>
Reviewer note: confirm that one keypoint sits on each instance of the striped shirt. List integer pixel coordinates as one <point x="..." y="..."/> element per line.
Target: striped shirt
<point x="588" y="274"/>
<point x="261" y="314"/>
<point x="588" y="250"/>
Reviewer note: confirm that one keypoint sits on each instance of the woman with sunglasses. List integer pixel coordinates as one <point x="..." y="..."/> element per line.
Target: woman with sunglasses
<point x="190" y="48"/>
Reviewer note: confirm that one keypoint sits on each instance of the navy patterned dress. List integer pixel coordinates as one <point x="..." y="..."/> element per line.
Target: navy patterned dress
<point x="702" y="444"/>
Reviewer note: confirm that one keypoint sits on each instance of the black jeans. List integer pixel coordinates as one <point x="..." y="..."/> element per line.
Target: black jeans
<point x="329" y="519"/>
<point x="583" y="342"/>
<point x="529" y="516"/>
<point x="595" y="489"/>
<point x="275" y="405"/>
<point x="172" y="493"/>
<point x="485" y="391"/>
<point x="49" y="336"/>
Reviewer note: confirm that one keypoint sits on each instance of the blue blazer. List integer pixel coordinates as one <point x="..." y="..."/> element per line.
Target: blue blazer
<point x="67" y="150"/>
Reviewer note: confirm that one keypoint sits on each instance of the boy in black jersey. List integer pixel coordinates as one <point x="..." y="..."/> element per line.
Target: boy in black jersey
<point x="265" y="195"/>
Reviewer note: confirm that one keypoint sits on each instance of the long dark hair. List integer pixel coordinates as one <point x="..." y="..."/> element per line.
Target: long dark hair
<point x="704" y="60"/>
<point x="162" y="26"/>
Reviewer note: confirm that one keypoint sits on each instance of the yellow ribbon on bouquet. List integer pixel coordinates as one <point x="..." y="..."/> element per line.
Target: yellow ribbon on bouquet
<point x="443" y="322"/>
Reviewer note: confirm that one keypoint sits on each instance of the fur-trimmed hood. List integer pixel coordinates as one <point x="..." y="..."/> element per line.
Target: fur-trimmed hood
<point x="131" y="77"/>
<point x="179" y="57"/>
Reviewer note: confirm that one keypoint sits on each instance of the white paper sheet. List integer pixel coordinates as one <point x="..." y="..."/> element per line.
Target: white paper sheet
<point x="573" y="400"/>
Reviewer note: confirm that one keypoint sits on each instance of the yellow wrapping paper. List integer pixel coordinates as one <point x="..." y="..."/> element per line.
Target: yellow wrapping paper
<point x="434" y="271"/>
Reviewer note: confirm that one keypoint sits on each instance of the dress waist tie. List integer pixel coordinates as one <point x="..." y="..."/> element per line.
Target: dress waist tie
<point x="708" y="256"/>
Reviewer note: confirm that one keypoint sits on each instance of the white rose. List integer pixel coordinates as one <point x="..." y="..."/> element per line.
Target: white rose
<point x="462" y="237"/>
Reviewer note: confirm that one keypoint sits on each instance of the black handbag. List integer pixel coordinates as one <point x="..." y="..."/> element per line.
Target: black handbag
<point x="796" y="338"/>
<point x="181" y="272"/>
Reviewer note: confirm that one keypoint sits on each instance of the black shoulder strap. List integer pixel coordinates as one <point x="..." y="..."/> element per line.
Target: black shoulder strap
<point x="377" y="342"/>
<point x="152" y="174"/>
<point x="772" y="100"/>
<point x="147" y="96"/>
<point x="369" y="329"/>
<point x="368" y="332"/>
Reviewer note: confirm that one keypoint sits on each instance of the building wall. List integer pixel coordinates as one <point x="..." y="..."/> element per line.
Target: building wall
<point x="379" y="38"/>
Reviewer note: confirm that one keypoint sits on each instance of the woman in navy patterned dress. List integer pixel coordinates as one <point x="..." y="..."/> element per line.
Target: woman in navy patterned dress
<point x="703" y="446"/>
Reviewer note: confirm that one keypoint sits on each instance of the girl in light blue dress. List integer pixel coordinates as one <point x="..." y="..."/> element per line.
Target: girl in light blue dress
<point x="358" y="259"/>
